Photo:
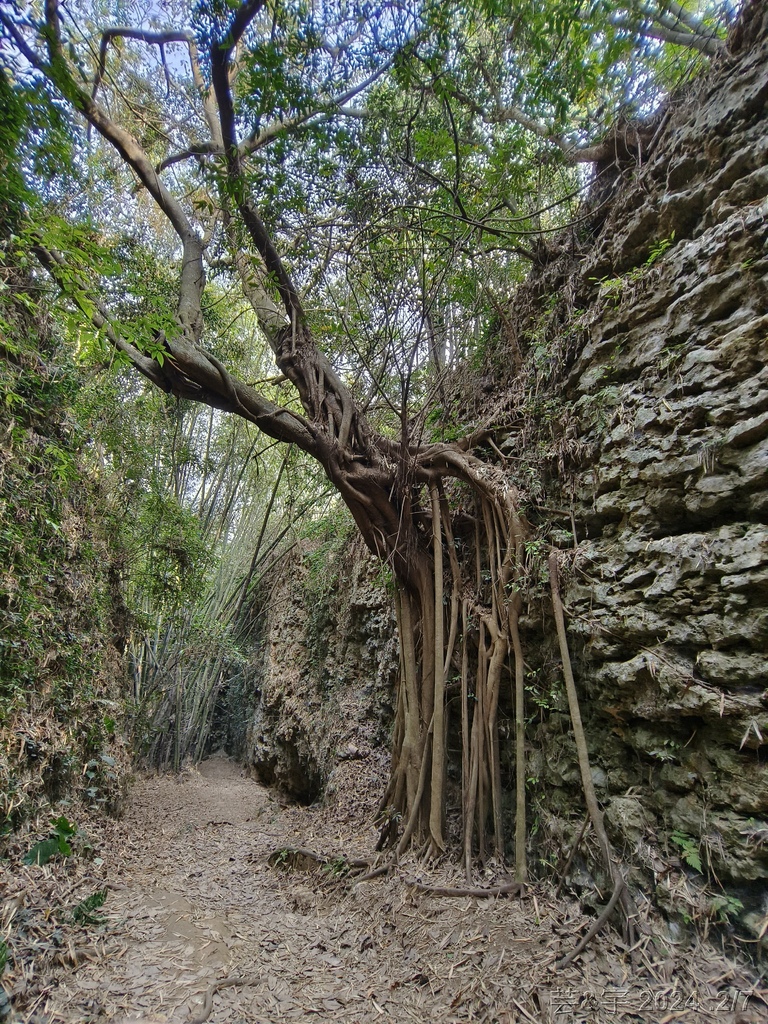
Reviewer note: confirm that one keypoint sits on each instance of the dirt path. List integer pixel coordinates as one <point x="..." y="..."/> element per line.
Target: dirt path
<point x="198" y="901"/>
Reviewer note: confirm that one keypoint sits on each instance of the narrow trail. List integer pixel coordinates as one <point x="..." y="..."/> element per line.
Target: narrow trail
<point x="195" y="900"/>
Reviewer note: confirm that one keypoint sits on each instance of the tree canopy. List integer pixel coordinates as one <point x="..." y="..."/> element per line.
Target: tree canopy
<point x="316" y="160"/>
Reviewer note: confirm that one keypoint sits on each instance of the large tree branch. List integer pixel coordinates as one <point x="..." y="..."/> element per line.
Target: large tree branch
<point x="123" y="32"/>
<point x="192" y="278"/>
<point x="614" y="145"/>
<point x="187" y="370"/>
<point x="673" y="15"/>
<point x="161" y="39"/>
<point x="221" y="55"/>
<point x="512" y="114"/>
<point x="655" y="28"/>
<point x="56" y="266"/>
<point x="322" y="393"/>
<point x="324" y="110"/>
<point x="667" y="22"/>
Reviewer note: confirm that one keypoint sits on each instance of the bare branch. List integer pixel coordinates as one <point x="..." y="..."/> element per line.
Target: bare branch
<point x="123" y="32"/>
<point x="321" y="391"/>
<point x="161" y="39"/>
<point x="18" y="37"/>
<point x="675" y="14"/>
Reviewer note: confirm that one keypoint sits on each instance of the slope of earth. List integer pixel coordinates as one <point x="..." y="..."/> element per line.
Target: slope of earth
<point x="202" y="888"/>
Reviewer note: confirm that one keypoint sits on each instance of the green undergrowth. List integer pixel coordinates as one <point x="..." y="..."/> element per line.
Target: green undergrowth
<point x="60" y="670"/>
<point x="60" y="664"/>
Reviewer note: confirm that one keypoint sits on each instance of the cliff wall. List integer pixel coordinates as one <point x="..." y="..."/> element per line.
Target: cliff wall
<point x="658" y="457"/>
<point x="318" y="699"/>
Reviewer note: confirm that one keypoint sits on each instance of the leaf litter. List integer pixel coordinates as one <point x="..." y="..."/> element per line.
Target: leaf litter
<point x="208" y="878"/>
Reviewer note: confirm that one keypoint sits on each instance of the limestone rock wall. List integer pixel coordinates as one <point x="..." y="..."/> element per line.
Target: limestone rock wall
<point x="666" y="471"/>
<point x="318" y="697"/>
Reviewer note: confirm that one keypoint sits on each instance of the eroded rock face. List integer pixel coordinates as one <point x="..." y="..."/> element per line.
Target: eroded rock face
<point x="323" y="681"/>
<point x="668" y="398"/>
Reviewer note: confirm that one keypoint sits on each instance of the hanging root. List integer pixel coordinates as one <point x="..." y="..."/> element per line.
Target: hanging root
<point x="437" y="788"/>
<point x="521" y="865"/>
<point x="618" y="888"/>
<point x="456" y="635"/>
<point x="621" y="892"/>
<point x="413" y="817"/>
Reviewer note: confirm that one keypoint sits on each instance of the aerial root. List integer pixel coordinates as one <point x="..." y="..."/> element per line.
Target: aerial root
<point x="441" y="890"/>
<point x="621" y="891"/>
<point x="382" y="869"/>
<point x="596" y="925"/>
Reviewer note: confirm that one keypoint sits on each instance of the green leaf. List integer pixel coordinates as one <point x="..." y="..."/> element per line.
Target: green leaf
<point x="83" y="912"/>
<point x="689" y="849"/>
<point x="63" y="827"/>
<point x="42" y="852"/>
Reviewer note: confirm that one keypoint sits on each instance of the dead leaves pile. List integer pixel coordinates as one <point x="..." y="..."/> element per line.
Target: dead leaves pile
<point x="205" y="898"/>
<point x="49" y="916"/>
